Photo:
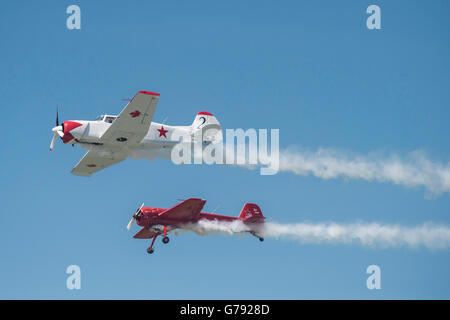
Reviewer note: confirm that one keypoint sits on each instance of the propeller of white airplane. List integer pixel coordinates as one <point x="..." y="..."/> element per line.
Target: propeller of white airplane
<point x="133" y="218"/>
<point x="57" y="131"/>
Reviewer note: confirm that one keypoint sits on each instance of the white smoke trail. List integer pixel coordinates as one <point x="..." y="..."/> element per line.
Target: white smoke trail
<point x="414" y="170"/>
<point x="427" y="235"/>
<point x="374" y="235"/>
<point x="214" y="227"/>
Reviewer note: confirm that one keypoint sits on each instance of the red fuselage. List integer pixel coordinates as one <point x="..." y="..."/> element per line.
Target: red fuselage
<point x="150" y="216"/>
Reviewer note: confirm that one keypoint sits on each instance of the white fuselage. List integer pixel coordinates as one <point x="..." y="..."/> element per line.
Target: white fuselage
<point x="157" y="143"/>
<point x="91" y="131"/>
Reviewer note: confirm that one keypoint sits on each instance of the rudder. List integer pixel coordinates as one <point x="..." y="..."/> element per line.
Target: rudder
<point x="251" y="213"/>
<point x="210" y="126"/>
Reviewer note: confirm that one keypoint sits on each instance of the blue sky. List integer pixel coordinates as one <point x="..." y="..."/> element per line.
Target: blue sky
<point x="311" y="69"/>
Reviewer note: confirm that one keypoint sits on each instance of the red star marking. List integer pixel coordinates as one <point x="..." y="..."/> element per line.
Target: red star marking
<point x="91" y="165"/>
<point x="135" y="114"/>
<point x="162" y="132"/>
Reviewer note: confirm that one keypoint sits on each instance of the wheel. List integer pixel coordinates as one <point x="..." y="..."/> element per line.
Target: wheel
<point x="165" y="240"/>
<point x="261" y="239"/>
<point x="150" y="250"/>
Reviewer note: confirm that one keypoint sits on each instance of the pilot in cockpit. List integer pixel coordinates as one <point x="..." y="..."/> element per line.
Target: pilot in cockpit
<point x="107" y="119"/>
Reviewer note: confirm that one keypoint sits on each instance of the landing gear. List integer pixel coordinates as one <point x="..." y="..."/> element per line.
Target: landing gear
<point x="165" y="239"/>
<point x="257" y="236"/>
<point x="150" y="249"/>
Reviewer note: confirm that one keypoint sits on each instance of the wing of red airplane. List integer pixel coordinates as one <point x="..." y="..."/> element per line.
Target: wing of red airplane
<point x="133" y="122"/>
<point x="145" y="233"/>
<point x="186" y="211"/>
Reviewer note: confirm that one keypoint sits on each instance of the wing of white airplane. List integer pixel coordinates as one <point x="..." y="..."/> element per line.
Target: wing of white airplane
<point x="130" y="127"/>
<point x="134" y="121"/>
<point x="93" y="162"/>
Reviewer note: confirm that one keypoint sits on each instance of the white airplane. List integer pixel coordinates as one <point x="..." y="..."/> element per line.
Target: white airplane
<point x="111" y="139"/>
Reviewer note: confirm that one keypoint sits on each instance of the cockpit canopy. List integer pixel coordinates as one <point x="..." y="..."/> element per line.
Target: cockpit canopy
<point x="106" y="118"/>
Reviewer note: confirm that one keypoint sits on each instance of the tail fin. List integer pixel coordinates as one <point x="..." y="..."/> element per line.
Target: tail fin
<point x="210" y="126"/>
<point x="251" y="213"/>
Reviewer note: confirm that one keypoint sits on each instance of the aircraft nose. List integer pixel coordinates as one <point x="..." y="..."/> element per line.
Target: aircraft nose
<point x="70" y="125"/>
<point x="67" y="127"/>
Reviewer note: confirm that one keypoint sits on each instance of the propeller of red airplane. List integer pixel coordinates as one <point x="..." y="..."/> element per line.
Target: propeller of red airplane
<point x="135" y="216"/>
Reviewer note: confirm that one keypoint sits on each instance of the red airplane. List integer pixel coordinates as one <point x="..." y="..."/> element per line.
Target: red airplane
<point x="158" y="221"/>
